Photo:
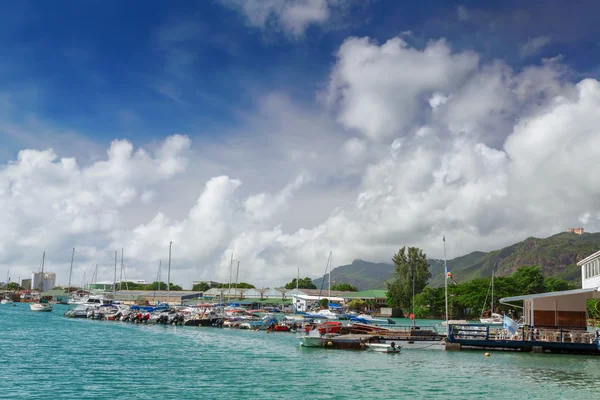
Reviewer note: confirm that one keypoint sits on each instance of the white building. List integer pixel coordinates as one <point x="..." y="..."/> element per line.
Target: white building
<point x="307" y="299"/>
<point x="590" y="271"/>
<point x="49" y="281"/>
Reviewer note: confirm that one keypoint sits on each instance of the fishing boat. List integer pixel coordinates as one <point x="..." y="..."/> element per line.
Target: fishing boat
<point x="384" y="347"/>
<point x="42" y="304"/>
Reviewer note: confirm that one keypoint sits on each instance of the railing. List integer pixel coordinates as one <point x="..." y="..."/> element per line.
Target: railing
<point x="524" y="333"/>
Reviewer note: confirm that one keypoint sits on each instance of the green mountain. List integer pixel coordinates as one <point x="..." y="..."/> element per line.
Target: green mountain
<point x="557" y="256"/>
<point x="362" y="274"/>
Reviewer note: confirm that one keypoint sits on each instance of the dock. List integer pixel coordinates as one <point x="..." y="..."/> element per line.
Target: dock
<point x="526" y="339"/>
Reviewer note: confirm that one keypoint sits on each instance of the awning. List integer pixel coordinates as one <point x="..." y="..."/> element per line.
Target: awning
<point x="333" y="305"/>
<point x="505" y="300"/>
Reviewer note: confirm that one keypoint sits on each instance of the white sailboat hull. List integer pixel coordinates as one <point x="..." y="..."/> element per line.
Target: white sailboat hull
<point x="6" y="301"/>
<point x="43" y="307"/>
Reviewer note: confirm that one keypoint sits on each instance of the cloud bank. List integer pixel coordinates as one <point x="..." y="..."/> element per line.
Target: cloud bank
<point x="403" y="145"/>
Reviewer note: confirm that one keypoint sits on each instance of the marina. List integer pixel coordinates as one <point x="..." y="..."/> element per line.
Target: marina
<point x="84" y="358"/>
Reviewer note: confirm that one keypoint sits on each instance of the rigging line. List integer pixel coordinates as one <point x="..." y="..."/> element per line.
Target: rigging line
<point x="323" y="281"/>
<point x="485" y="302"/>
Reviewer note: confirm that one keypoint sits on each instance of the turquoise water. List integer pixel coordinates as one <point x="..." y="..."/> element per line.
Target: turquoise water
<point x="47" y="356"/>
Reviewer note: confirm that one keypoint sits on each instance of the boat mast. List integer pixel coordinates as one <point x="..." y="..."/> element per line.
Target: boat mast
<point x="329" y="292"/>
<point x="42" y="280"/>
<point x="492" y="304"/>
<point x="446" y="283"/>
<point x="169" y="272"/>
<point x="237" y="274"/>
<point x="297" y="284"/>
<point x="230" y="272"/>
<point x="158" y="279"/>
<point x="115" y="277"/>
<point x="71" y="270"/>
<point x="413" y="299"/>
<point x="121" y="272"/>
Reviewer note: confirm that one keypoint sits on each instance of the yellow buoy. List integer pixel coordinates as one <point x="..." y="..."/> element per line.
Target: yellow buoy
<point x="487" y="354"/>
<point x="329" y="343"/>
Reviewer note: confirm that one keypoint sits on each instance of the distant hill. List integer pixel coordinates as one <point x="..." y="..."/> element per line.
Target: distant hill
<point x="557" y="256"/>
<point x="362" y="274"/>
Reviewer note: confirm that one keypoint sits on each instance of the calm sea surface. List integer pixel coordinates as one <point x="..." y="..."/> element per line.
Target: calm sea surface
<point x="48" y="356"/>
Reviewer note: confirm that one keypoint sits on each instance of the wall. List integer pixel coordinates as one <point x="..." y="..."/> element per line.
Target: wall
<point x="590" y="273"/>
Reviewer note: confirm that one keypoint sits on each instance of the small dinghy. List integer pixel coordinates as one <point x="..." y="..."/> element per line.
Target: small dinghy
<point x="384" y="347"/>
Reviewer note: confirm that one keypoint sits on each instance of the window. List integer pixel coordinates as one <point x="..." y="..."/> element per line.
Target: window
<point x="587" y="270"/>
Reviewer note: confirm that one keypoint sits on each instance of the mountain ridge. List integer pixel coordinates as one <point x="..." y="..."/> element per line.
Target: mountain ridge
<point x="557" y="256"/>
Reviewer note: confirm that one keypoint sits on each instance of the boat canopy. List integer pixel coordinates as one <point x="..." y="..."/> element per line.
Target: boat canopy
<point x="334" y="305"/>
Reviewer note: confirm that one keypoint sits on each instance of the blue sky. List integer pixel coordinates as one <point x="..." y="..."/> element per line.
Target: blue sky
<point x="143" y="70"/>
<point x="281" y="130"/>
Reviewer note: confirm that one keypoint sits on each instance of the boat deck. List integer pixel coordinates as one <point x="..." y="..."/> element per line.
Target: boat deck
<point x="528" y="339"/>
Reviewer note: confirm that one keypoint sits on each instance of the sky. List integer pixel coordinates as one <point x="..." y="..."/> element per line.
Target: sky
<point x="281" y="130"/>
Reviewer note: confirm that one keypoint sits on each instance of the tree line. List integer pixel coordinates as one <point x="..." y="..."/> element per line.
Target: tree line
<point x="466" y="300"/>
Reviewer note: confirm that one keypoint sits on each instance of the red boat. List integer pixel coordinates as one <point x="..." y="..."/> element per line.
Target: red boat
<point x="325" y="327"/>
<point x="282" y="328"/>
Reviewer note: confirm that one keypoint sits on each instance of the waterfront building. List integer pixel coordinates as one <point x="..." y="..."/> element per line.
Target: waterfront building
<point x="173" y="297"/>
<point x="26" y="284"/>
<point x="49" y="279"/>
<point x="564" y="309"/>
<point x="109" y="285"/>
<point x="307" y="299"/>
<point x="374" y="299"/>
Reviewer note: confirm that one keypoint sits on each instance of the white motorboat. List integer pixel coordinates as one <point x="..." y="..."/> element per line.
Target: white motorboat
<point x="312" y="341"/>
<point x="327" y="313"/>
<point x="371" y="320"/>
<point x="384" y="347"/>
<point x="6" y="300"/>
<point x="47" y="307"/>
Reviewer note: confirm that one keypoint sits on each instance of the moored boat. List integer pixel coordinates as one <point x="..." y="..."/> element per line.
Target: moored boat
<point x="384" y="347"/>
<point x="47" y="307"/>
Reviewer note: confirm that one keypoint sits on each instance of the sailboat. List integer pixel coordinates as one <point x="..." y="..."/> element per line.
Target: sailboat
<point x="495" y="319"/>
<point x="41" y="304"/>
<point x="326" y="312"/>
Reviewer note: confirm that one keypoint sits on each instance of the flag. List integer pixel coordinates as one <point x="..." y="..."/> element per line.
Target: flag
<point x="510" y="325"/>
<point x="449" y="275"/>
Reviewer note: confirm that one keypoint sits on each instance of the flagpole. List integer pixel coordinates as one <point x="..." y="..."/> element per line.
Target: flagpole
<point x="446" y="284"/>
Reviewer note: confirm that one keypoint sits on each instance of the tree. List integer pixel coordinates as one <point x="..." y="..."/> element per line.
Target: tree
<point x="552" y="284"/>
<point x="411" y="263"/>
<point x="201" y="287"/>
<point x="430" y="303"/>
<point x="529" y="279"/>
<point x="344" y="287"/>
<point x="356" y="304"/>
<point x="304" y="283"/>
<point x="324" y="303"/>
<point x="162" y="286"/>
<point x="241" y="285"/>
<point x="13" y="286"/>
